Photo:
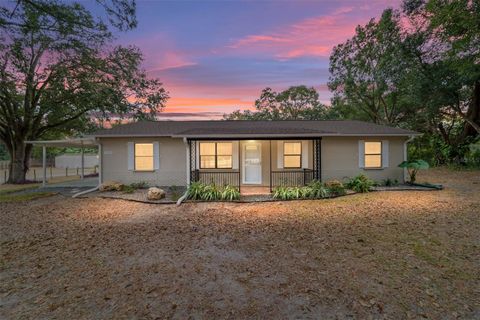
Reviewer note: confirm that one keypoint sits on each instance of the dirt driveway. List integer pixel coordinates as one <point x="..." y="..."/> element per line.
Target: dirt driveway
<point x="379" y="255"/>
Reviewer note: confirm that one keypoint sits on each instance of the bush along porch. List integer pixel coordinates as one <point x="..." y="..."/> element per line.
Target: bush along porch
<point x="315" y="189"/>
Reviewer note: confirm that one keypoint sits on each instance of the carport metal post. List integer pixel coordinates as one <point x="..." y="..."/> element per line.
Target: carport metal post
<point x="100" y="167"/>
<point x="82" y="173"/>
<point x="44" y="163"/>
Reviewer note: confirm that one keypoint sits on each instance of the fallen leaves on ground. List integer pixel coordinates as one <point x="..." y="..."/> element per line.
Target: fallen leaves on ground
<point x="407" y="254"/>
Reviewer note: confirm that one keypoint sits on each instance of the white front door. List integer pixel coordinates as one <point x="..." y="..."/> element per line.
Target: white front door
<point x="252" y="163"/>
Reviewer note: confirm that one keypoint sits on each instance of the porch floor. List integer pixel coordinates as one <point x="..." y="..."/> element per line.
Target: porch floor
<point x="254" y="190"/>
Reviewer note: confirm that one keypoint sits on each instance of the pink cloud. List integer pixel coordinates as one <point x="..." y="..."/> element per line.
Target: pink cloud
<point x="312" y="37"/>
<point x="161" y="53"/>
<point x="171" y="60"/>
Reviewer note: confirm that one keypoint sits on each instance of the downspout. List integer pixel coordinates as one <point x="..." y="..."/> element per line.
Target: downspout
<point x="187" y="155"/>
<point x="85" y="192"/>
<point x="405" y="156"/>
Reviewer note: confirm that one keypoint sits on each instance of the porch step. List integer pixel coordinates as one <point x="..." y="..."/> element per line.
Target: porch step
<point x="254" y="190"/>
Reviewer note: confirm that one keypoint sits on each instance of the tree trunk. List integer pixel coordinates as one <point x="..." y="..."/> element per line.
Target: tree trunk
<point x="19" y="163"/>
<point x="472" y="125"/>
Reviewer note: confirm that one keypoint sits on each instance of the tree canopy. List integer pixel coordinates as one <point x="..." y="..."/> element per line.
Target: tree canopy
<point x="59" y="73"/>
<point x="294" y="103"/>
<point x="416" y="68"/>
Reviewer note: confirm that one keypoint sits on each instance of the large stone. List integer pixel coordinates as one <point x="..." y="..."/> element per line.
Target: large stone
<point x="111" y="186"/>
<point x="155" y="193"/>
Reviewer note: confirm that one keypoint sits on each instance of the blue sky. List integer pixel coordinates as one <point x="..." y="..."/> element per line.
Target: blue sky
<point x="216" y="56"/>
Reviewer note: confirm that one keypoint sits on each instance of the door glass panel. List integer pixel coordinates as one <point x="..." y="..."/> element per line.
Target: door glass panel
<point x="253" y="167"/>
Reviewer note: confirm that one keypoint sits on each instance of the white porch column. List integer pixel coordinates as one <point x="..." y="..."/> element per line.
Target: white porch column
<point x="44" y="165"/>
<point x="187" y="148"/>
<point x="82" y="173"/>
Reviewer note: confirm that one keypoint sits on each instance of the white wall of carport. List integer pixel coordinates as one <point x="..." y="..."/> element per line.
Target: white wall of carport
<point x="340" y="158"/>
<point x="172" y="166"/>
<point x="75" y="161"/>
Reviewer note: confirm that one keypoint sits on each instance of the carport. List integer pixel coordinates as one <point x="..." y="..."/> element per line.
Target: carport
<point x="80" y="143"/>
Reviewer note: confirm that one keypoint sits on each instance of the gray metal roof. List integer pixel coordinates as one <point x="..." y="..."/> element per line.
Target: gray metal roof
<point x="252" y="129"/>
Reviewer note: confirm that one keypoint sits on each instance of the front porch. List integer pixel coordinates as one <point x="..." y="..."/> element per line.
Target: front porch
<point x="255" y="166"/>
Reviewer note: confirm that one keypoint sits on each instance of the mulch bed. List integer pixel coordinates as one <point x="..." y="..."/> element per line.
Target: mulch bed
<point x="140" y="195"/>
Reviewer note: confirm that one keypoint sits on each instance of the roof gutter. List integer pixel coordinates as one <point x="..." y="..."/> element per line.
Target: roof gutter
<point x="267" y="136"/>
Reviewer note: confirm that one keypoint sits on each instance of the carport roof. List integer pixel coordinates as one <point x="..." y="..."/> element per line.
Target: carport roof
<point x="76" y="142"/>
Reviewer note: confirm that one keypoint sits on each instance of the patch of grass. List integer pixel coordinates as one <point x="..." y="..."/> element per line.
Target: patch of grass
<point x="11" y="188"/>
<point x="421" y="251"/>
<point x="7" y="197"/>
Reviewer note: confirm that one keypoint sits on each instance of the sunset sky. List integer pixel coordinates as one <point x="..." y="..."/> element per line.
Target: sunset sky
<point x="216" y="56"/>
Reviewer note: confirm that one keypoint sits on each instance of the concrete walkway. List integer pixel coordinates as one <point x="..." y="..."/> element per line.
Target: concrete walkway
<point x="69" y="188"/>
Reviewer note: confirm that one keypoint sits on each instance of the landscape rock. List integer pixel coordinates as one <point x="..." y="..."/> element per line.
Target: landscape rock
<point x="155" y="193"/>
<point x="111" y="186"/>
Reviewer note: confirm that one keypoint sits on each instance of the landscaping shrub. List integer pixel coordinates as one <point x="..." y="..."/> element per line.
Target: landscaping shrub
<point x="139" y="185"/>
<point x="211" y="192"/>
<point x="287" y="193"/>
<point x="280" y="193"/>
<point x="335" y="187"/>
<point x="315" y="190"/>
<point x="360" y="183"/>
<point x="230" y="193"/>
<point x="390" y="182"/>
<point x="318" y="190"/>
<point x="196" y="190"/>
<point x="128" y="189"/>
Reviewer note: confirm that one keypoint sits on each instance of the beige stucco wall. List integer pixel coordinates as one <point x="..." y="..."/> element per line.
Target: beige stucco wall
<point x="172" y="169"/>
<point x="340" y="158"/>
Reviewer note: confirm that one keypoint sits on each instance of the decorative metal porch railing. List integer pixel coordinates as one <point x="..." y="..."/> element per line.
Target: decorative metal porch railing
<point x="291" y="178"/>
<point x="219" y="178"/>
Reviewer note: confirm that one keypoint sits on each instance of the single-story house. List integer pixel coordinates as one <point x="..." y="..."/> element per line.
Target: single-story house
<point x="250" y="153"/>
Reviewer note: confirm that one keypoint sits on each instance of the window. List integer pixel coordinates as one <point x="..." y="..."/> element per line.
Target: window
<point x="292" y="155"/>
<point x="144" y="156"/>
<point x="373" y="154"/>
<point x="215" y="155"/>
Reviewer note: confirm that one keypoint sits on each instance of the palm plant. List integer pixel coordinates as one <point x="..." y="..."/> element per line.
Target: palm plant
<point x="413" y="166"/>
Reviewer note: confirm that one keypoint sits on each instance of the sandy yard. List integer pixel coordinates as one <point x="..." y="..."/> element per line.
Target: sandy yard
<point x="395" y="255"/>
